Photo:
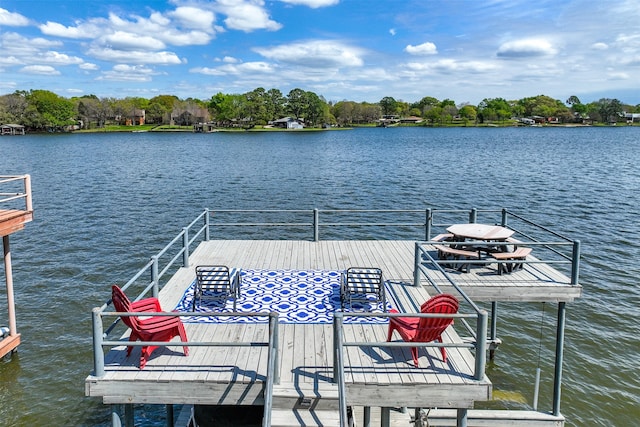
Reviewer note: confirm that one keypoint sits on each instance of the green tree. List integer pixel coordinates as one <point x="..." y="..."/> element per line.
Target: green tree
<point x="275" y="104"/>
<point x="297" y="102"/>
<point x="468" y="113"/>
<point x="389" y="106"/>
<point x="46" y="110"/>
<point x="609" y="109"/>
<point x="493" y="109"/>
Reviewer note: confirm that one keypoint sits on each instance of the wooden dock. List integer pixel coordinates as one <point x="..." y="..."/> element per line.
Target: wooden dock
<point x="12" y="219"/>
<point x="379" y="377"/>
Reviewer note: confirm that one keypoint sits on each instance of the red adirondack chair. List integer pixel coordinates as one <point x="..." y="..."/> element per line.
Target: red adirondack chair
<point x="155" y="328"/>
<point x="425" y="329"/>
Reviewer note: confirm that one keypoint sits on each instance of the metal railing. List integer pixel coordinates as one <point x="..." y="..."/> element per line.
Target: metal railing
<point x="16" y="188"/>
<point x="415" y="222"/>
<point x="556" y="249"/>
<point x="272" y="375"/>
<point x="310" y="222"/>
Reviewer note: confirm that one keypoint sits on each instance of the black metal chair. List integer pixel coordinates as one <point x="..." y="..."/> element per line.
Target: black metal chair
<point x="357" y="283"/>
<point x="216" y="282"/>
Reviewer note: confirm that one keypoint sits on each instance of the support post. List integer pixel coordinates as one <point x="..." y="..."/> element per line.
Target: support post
<point x="207" y="225"/>
<point x="98" y="352"/>
<point x="461" y="417"/>
<point x="128" y="415"/>
<point x="416" y="266"/>
<point x="185" y="246"/>
<point x="115" y="417"/>
<point x="504" y="217"/>
<point x="169" y="415"/>
<point x="427" y="224"/>
<point x="473" y="215"/>
<point x="8" y="273"/>
<point x="481" y="345"/>
<point x="366" y="421"/>
<point x="155" y="279"/>
<point x="385" y="417"/>
<point x="575" y="265"/>
<point x="316" y="225"/>
<point x="494" y="328"/>
<point x="557" y="376"/>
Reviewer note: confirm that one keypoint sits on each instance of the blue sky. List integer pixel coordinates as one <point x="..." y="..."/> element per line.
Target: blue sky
<point x="359" y="50"/>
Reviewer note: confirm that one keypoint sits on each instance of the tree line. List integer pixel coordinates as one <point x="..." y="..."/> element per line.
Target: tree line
<point x="42" y="110"/>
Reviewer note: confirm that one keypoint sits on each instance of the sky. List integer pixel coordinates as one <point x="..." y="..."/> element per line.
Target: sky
<point x="357" y="50"/>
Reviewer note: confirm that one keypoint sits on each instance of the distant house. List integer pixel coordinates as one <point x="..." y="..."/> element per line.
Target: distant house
<point x="137" y="118"/>
<point x="632" y="117"/>
<point x="11" y="129"/>
<point x="287" y="123"/>
<point x="411" y="119"/>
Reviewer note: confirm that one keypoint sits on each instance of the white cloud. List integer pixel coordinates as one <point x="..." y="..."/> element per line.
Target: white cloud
<point x="452" y="65"/>
<point x="600" y="46"/>
<point x="317" y="54"/>
<point x="82" y="31"/>
<point x="314" y="4"/>
<point x="246" y="15"/>
<point x="45" y="70"/>
<point x="614" y="75"/>
<point x="122" y="40"/>
<point x="194" y="18"/>
<point x="525" y="48"/>
<point x="134" y="57"/>
<point x="10" y="19"/>
<point x="52" y="57"/>
<point x="88" y="66"/>
<point x="426" y="48"/>
<point x="128" y="73"/>
<point x="236" y="69"/>
<point x="392" y="31"/>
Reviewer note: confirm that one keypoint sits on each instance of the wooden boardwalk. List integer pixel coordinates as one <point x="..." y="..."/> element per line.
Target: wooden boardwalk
<point x="381" y="377"/>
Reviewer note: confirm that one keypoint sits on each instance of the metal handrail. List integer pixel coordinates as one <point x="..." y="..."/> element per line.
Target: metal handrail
<point x="100" y="342"/>
<point x="23" y="193"/>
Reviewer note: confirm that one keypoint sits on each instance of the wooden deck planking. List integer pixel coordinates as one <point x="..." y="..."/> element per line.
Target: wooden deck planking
<point x="306" y="350"/>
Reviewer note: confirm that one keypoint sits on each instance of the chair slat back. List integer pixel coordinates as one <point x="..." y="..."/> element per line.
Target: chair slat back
<point x="430" y="328"/>
<point x="122" y="304"/>
<point x="215" y="278"/>
<point x="364" y="279"/>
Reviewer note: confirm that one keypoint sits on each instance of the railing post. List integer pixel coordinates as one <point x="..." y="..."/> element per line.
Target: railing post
<point x="416" y="265"/>
<point x="427" y="224"/>
<point x="154" y="276"/>
<point x="337" y="327"/>
<point x="316" y="225"/>
<point x="504" y="217"/>
<point x="185" y="246"/>
<point x="473" y="215"/>
<point x="207" y="224"/>
<point x="575" y="265"/>
<point x="276" y="338"/>
<point x="27" y="190"/>
<point x="557" y="376"/>
<point x="98" y="352"/>
<point x="481" y="345"/>
<point x="338" y="366"/>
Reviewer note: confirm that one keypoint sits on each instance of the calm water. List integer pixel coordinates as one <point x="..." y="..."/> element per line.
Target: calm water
<point x="105" y="203"/>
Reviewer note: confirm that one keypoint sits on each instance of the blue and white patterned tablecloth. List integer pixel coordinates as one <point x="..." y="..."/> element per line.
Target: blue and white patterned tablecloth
<point x="298" y="296"/>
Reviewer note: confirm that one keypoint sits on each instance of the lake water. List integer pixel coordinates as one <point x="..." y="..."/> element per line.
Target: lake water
<point x="104" y="203"/>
